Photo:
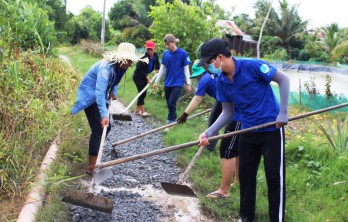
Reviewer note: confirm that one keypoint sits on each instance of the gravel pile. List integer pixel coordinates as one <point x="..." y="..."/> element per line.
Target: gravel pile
<point x="130" y="205"/>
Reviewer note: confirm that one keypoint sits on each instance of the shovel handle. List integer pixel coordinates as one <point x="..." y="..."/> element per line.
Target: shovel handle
<point x="155" y="130"/>
<point x="139" y="94"/>
<point x="185" y="145"/>
<point x="189" y="167"/>
<point x="101" y="146"/>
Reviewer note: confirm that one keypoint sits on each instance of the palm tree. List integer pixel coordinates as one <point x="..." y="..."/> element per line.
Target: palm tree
<point x="289" y="26"/>
<point x="341" y="50"/>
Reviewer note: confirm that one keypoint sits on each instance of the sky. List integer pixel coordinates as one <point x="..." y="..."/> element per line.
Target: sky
<point x="317" y="12"/>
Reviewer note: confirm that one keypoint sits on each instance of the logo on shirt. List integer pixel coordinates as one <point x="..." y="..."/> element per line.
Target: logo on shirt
<point x="264" y="68"/>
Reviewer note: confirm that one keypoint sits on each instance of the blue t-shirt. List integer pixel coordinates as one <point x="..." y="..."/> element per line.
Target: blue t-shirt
<point x="251" y="93"/>
<point x="175" y="63"/>
<point x="206" y="84"/>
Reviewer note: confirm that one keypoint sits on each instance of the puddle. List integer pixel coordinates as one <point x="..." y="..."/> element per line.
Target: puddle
<point x="177" y="208"/>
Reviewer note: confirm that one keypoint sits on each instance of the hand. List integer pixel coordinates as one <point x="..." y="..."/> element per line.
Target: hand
<point x="105" y="122"/>
<point x="154" y="86"/>
<point x="148" y="80"/>
<point x="188" y="87"/>
<point x="112" y="96"/>
<point x="203" y="140"/>
<point x="281" y="124"/>
<point x="182" y="118"/>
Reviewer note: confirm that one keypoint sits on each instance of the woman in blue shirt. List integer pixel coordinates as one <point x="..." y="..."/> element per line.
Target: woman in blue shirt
<point x="97" y="86"/>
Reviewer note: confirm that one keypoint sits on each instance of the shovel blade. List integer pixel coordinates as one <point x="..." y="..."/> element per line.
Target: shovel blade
<point x="88" y="200"/>
<point x="122" y="117"/>
<point x="100" y="175"/>
<point x="177" y="189"/>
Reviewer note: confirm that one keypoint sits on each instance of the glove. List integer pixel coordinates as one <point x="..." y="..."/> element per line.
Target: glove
<point x="182" y="118"/>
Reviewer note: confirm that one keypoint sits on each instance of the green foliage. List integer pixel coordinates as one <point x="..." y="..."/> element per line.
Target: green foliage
<point x="187" y="22"/>
<point x="277" y="54"/>
<point x="35" y="103"/>
<point x="337" y="136"/>
<point x="130" y="17"/>
<point x="19" y="23"/>
<point x="87" y="25"/>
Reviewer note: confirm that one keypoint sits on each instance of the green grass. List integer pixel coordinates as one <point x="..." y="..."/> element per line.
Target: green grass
<point x="317" y="181"/>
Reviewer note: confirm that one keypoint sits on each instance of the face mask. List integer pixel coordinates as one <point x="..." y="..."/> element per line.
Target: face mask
<point x="213" y="70"/>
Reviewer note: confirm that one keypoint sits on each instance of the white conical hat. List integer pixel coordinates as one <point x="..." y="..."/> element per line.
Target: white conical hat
<point x="124" y="52"/>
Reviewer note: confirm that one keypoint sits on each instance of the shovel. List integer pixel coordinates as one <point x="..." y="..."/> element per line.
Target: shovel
<point x="123" y="116"/>
<point x="155" y="130"/>
<point x="89" y="200"/>
<point x="185" y="145"/>
<point x="178" y="188"/>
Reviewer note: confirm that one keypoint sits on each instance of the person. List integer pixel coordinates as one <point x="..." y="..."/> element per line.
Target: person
<point x="140" y="76"/>
<point x="229" y="146"/>
<point x="97" y="86"/>
<point x="245" y="83"/>
<point x="175" y="62"/>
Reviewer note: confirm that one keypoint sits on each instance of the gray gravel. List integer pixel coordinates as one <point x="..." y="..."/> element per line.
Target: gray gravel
<point x="129" y="205"/>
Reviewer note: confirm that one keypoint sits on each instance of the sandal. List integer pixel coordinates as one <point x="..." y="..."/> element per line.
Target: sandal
<point x="217" y="195"/>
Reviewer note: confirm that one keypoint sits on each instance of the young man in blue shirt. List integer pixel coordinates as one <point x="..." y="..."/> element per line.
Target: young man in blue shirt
<point x="175" y="63"/>
<point x="97" y="86"/>
<point x="229" y="146"/>
<point x="245" y="83"/>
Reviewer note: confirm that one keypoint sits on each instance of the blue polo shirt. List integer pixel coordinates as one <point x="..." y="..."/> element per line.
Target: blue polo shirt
<point x="206" y="85"/>
<point x="175" y="63"/>
<point x="251" y="93"/>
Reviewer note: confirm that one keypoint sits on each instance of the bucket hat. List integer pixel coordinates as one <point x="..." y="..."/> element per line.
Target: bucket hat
<point x="196" y="70"/>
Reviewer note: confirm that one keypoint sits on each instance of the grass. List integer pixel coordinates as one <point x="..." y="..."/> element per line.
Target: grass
<point x="317" y="181"/>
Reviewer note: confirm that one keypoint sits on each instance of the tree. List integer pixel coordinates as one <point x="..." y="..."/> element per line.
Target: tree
<point x="262" y="27"/>
<point x="188" y="23"/>
<point x="131" y="18"/>
<point x="87" y="25"/>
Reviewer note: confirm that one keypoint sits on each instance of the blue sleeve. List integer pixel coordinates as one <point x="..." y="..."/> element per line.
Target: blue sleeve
<point x="264" y="70"/>
<point x="100" y="91"/>
<point x="202" y="87"/>
<point x="220" y="94"/>
<point x="187" y="60"/>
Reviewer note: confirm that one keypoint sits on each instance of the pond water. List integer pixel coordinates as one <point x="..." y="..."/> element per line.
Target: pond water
<point x="339" y="82"/>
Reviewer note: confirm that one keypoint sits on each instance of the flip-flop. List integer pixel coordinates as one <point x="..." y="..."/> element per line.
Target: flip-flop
<point x="216" y="195"/>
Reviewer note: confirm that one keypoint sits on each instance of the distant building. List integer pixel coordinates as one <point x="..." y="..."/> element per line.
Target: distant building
<point x="239" y="42"/>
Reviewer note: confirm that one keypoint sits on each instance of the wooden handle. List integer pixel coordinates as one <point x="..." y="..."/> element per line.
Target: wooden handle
<point x="155" y="130"/>
<point x="139" y="94"/>
<point x="176" y="147"/>
<point x="189" y="167"/>
<point x="101" y="147"/>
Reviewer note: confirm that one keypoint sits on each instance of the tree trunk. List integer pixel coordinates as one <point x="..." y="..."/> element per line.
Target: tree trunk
<point x="262" y="27"/>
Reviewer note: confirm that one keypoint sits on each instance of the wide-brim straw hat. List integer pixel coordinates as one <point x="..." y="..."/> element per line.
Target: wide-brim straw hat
<point x="124" y="52"/>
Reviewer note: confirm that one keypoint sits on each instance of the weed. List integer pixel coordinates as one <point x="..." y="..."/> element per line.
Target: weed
<point x="338" y="136"/>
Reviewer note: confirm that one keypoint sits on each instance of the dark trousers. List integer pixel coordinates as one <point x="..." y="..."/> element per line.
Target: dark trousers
<point x="172" y="96"/>
<point x="140" y="84"/>
<point x="214" y="114"/>
<point x="270" y="145"/>
<point x="94" y="121"/>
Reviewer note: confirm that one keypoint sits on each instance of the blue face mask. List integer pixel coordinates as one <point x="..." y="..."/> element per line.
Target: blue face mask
<point x="213" y="70"/>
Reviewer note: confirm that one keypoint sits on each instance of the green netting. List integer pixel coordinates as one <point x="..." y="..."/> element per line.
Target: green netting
<point x="314" y="101"/>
